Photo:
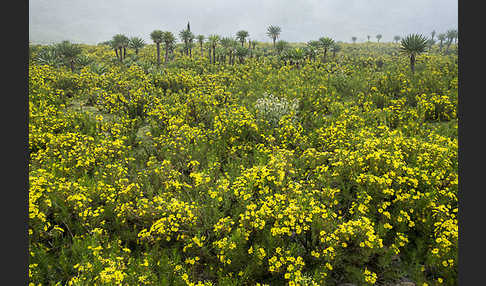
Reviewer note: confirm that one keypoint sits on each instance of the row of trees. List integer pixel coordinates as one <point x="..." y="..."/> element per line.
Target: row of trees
<point x="231" y="50"/>
<point x="120" y="43"/>
<point x="448" y="37"/>
<point x="223" y="48"/>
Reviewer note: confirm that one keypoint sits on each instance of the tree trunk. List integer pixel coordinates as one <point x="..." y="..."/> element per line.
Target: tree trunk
<point x="214" y="54"/>
<point x="72" y="65"/>
<point x="412" y="63"/>
<point x="116" y="52"/>
<point x="136" y="52"/>
<point x="158" y="54"/>
<point x="201" y="50"/>
<point x="273" y="43"/>
<point x="121" y="54"/>
<point x="124" y="52"/>
<point x="166" y="54"/>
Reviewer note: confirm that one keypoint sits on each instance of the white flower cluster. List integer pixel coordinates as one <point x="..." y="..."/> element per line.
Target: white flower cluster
<point x="272" y="108"/>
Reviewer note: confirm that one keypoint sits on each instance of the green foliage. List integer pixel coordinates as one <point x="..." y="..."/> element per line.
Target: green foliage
<point x="241" y="36"/>
<point x="273" y="32"/>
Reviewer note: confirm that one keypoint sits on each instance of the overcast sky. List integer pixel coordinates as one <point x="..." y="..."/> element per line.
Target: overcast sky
<point x="94" y="21"/>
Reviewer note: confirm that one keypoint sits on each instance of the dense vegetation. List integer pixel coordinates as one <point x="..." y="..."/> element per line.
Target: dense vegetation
<point x="241" y="164"/>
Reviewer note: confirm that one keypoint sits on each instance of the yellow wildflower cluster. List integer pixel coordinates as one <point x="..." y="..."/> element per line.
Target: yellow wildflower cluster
<point x="257" y="173"/>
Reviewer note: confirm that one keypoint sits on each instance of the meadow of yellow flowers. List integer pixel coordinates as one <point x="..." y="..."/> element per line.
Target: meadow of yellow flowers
<point x="261" y="173"/>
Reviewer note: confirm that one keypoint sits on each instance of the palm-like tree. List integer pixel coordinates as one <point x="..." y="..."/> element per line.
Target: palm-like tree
<point x="354" y="39"/>
<point x="326" y="43"/>
<point x="156" y="36"/>
<point x="396" y="39"/>
<point x="378" y="37"/>
<point x="229" y="45"/>
<point x="250" y="45"/>
<point x="450" y="35"/>
<point x="187" y="37"/>
<point x="241" y="52"/>
<point x="200" y="40"/>
<point x="136" y="43"/>
<point x="169" y="41"/>
<point x="49" y="55"/>
<point x="441" y="38"/>
<point x="69" y="52"/>
<point x="213" y="42"/>
<point x="226" y="43"/>
<point x="241" y="36"/>
<point x="119" y="41"/>
<point x="335" y="48"/>
<point x="413" y="45"/>
<point x="311" y="49"/>
<point x="114" y="46"/>
<point x="125" y="41"/>
<point x="273" y="32"/>
<point x="432" y="34"/>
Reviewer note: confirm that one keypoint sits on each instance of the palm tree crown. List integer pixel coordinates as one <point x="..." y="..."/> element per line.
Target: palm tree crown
<point x="187" y="37"/>
<point x="451" y="35"/>
<point x="69" y="52"/>
<point x="273" y="32"/>
<point x="213" y="40"/>
<point x="413" y="45"/>
<point x="241" y="36"/>
<point x="168" y="38"/>
<point x="156" y="36"/>
<point x="200" y="39"/>
<point x="326" y="43"/>
<point x="136" y="43"/>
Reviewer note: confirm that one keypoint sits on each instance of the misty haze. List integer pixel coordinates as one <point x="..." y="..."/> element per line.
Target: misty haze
<point x="92" y="22"/>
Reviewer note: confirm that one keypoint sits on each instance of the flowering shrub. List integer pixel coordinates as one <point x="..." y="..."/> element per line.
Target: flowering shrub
<point x="184" y="176"/>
